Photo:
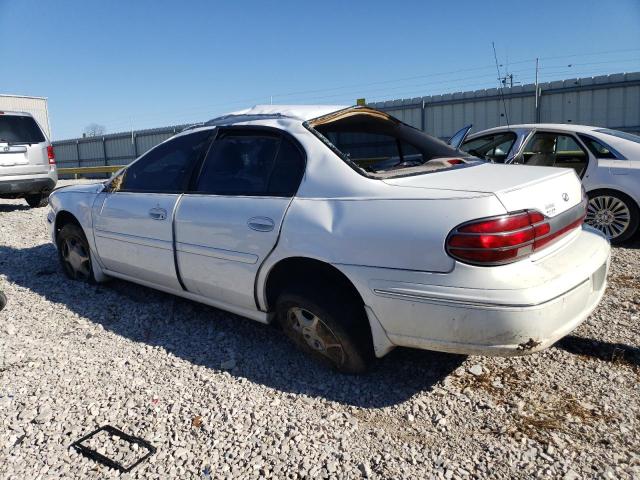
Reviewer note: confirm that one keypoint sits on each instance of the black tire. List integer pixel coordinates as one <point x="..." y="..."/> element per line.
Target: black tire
<point x="74" y="253"/>
<point x="3" y="300"/>
<point x="341" y="320"/>
<point x="37" y="200"/>
<point x="598" y="197"/>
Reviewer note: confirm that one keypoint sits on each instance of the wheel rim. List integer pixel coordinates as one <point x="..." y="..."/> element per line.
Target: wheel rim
<point x="608" y="214"/>
<point x="312" y="331"/>
<point x="76" y="258"/>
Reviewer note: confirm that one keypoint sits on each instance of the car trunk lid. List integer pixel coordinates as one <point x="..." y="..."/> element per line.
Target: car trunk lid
<point x="549" y="190"/>
<point x="12" y="155"/>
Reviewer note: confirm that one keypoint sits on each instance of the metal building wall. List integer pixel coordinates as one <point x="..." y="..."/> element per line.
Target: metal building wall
<point x="36" y="106"/>
<point x="608" y="100"/>
<point x="113" y="149"/>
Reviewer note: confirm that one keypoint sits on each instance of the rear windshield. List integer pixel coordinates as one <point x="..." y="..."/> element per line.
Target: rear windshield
<point x="617" y="133"/>
<point x="381" y="145"/>
<point x="19" y="129"/>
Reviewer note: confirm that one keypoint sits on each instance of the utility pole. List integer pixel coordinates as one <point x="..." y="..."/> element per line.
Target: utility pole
<point x="537" y="94"/>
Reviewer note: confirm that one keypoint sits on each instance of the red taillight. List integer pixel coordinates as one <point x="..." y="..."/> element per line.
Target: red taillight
<point x="505" y="239"/>
<point x="455" y="161"/>
<point x="51" y="155"/>
<point x="541" y="242"/>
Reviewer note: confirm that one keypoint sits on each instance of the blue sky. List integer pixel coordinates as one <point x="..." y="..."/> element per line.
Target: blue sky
<point x="154" y="63"/>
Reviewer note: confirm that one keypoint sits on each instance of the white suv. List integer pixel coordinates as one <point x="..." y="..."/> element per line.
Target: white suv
<point x="27" y="161"/>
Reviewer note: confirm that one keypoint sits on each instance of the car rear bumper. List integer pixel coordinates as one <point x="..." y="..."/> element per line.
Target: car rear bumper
<point x="564" y="289"/>
<point x="18" y="184"/>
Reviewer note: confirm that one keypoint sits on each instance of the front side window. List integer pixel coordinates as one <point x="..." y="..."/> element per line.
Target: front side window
<point x="494" y="147"/>
<point x="253" y="163"/>
<point x="548" y="149"/>
<point x="598" y="149"/>
<point x="19" y="129"/>
<point x="168" y="167"/>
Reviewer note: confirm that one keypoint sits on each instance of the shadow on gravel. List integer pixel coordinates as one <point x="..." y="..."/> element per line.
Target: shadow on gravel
<point x="209" y="337"/>
<point x="12" y="207"/>
<point x="606" y="351"/>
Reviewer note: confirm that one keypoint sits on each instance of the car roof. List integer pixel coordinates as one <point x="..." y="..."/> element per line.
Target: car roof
<point x="299" y="112"/>
<point x="19" y="114"/>
<point x="569" y="127"/>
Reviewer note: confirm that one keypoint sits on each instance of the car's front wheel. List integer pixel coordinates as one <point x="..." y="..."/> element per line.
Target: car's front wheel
<point x="614" y="214"/>
<point x="326" y="324"/>
<point x="37" y="200"/>
<point x="74" y="253"/>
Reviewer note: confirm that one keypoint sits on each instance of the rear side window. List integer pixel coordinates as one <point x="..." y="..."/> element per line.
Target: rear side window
<point x="168" y="167"/>
<point x="251" y="163"/>
<point x="494" y="147"/>
<point x="598" y="149"/>
<point x="19" y="129"/>
<point x="547" y="149"/>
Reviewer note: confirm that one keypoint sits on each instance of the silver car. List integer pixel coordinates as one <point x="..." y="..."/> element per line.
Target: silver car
<point x="27" y="160"/>
<point x="606" y="160"/>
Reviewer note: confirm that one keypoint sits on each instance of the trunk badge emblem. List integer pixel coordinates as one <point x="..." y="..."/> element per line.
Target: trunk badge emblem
<point x="565" y="197"/>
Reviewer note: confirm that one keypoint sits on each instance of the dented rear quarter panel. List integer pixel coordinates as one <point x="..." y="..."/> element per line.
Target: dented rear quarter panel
<point x="399" y="233"/>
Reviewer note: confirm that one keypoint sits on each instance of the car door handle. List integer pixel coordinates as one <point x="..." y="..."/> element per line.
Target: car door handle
<point x="261" y="224"/>
<point x="158" y="213"/>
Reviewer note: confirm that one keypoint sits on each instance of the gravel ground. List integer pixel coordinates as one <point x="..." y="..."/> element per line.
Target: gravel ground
<point x="220" y="396"/>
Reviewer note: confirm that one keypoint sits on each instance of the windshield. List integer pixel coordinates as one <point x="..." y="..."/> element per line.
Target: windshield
<point x="459" y="137"/>
<point x="381" y="145"/>
<point x="19" y="129"/>
<point x="620" y="134"/>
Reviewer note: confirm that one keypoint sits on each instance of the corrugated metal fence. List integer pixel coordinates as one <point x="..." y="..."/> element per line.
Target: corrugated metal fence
<point x="113" y="149"/>
<point x="610" y="101"/>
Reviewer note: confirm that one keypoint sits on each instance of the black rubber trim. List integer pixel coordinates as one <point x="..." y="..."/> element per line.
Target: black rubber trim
<point x="174" y="242"/>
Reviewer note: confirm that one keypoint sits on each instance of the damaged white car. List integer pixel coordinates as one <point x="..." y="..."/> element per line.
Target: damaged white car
<point x="355" y="232"/>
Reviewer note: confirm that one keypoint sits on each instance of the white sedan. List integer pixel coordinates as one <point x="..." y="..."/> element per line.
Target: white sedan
<point x="355" y="232"/>
<point x="607" y="161"/>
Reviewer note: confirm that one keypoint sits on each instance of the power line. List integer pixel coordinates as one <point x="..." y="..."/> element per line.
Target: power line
<point x="360" y="86"/>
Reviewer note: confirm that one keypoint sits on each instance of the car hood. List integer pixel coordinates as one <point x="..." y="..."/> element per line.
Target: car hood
<point x="81" y="188"/>
<point x="518" y="187"/>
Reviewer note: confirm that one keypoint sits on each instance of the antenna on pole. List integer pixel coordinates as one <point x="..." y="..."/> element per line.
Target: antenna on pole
<point x="504" y="104"/>
<point x="537" y="96"/>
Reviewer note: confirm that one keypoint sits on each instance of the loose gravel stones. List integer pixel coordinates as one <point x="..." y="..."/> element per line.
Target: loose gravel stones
<point x="220" y="396"/>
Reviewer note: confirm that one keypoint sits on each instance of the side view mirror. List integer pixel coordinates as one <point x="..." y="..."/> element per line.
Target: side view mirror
<point x="114" y="184"/>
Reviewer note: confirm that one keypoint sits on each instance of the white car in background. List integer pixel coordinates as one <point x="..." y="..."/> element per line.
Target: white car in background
<point x="355" y="232"/>
<point x="607" y="161"/>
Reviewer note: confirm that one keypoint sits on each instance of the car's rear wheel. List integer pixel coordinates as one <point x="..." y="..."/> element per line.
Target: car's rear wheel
<point x="327" y="325"/>
<point x="37" y="200"/>
<point x="614" y="214"/>
<point x="74" y="253"/>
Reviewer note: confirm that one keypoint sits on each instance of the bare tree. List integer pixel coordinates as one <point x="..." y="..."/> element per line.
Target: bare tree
<point x="94" y="130"/>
